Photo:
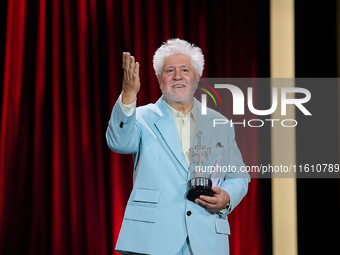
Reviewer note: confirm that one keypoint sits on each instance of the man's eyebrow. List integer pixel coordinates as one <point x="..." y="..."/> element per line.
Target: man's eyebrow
<point x="167" y="67"/>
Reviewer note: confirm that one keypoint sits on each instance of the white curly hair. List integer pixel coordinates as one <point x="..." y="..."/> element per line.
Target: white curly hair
<point x="178" y="46"/>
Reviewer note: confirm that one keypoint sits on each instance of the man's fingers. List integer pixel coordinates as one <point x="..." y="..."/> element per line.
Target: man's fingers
<point x="205" y="203"/>
<point x="132" y="63"/>
<point x="216" y="190"/>
<point x="126" y="60"/>
<point x="125" y="56"/>
<point x="215" y="203"/>
<point x="202" y="202"/>
<point x="123" y="59"/>
<point x="129" y="63"/>
<point x="136" y="70"/>
<point x="207" y="199"/>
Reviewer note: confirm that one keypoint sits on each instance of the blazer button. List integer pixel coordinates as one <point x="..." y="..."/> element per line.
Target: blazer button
<point x="188" y="213"/>
<point x="121" y="124"/>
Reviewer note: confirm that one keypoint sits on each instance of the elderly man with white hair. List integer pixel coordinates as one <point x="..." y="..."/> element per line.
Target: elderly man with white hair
<point x="159" y="219"/>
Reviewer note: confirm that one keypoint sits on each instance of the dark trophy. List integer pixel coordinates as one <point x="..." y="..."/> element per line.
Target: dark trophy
<point x="199" y="185"/>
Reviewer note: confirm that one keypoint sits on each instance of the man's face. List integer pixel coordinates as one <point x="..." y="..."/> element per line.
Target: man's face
<point x="174" y="80"/>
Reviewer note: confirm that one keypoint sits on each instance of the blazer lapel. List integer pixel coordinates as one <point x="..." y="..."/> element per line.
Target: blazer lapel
<point x="204" y="124"/>
<point x="167" y="129"/>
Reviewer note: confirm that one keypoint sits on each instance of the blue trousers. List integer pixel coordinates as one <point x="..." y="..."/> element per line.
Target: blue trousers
<point x="185" y="250"/>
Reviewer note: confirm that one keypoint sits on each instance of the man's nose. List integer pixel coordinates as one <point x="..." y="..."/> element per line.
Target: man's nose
<point x="177" y="75"/>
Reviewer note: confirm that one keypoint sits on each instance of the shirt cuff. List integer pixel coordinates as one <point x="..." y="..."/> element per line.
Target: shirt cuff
<point x="127" y="108"/>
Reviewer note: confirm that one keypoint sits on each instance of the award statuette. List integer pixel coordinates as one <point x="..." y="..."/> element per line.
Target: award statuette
<point x="199" y="185"/>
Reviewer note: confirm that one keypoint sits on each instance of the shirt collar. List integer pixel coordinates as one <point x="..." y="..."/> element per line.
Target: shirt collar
<point x="175" y="114"/>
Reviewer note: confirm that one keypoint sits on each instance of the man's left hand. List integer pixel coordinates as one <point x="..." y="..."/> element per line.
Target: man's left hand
<point x="216" y="203"/>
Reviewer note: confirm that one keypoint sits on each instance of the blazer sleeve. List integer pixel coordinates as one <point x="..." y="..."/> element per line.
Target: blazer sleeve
<point x="122" y="134"/>
<point x="235" y="183"/>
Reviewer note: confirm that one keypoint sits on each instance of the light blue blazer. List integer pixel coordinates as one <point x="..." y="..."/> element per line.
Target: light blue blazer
<point x="156" y="219"/>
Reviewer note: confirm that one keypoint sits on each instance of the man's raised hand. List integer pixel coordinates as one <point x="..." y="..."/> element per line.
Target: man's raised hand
<point x="131" y="83"/>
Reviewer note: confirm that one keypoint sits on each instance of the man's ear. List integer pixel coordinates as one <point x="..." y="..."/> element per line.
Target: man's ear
<point x="197" y="79"/>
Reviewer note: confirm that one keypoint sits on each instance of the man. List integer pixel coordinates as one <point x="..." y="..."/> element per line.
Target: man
<point x="159" y="219"/>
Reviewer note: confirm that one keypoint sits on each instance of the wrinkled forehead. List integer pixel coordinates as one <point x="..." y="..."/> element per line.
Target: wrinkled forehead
<point x="178" y="60"/>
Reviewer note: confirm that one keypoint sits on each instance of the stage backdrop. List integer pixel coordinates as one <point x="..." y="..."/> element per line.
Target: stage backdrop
<point x="62" y="191"/>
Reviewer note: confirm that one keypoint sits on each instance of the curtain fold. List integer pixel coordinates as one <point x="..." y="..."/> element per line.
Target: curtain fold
<point x="62" y="191"/>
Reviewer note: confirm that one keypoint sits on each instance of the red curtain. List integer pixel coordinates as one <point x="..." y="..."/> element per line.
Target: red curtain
<point x="61" y="189"/>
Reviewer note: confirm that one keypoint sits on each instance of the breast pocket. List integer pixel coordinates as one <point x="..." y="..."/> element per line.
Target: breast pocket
<point x="218" y="153"/>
